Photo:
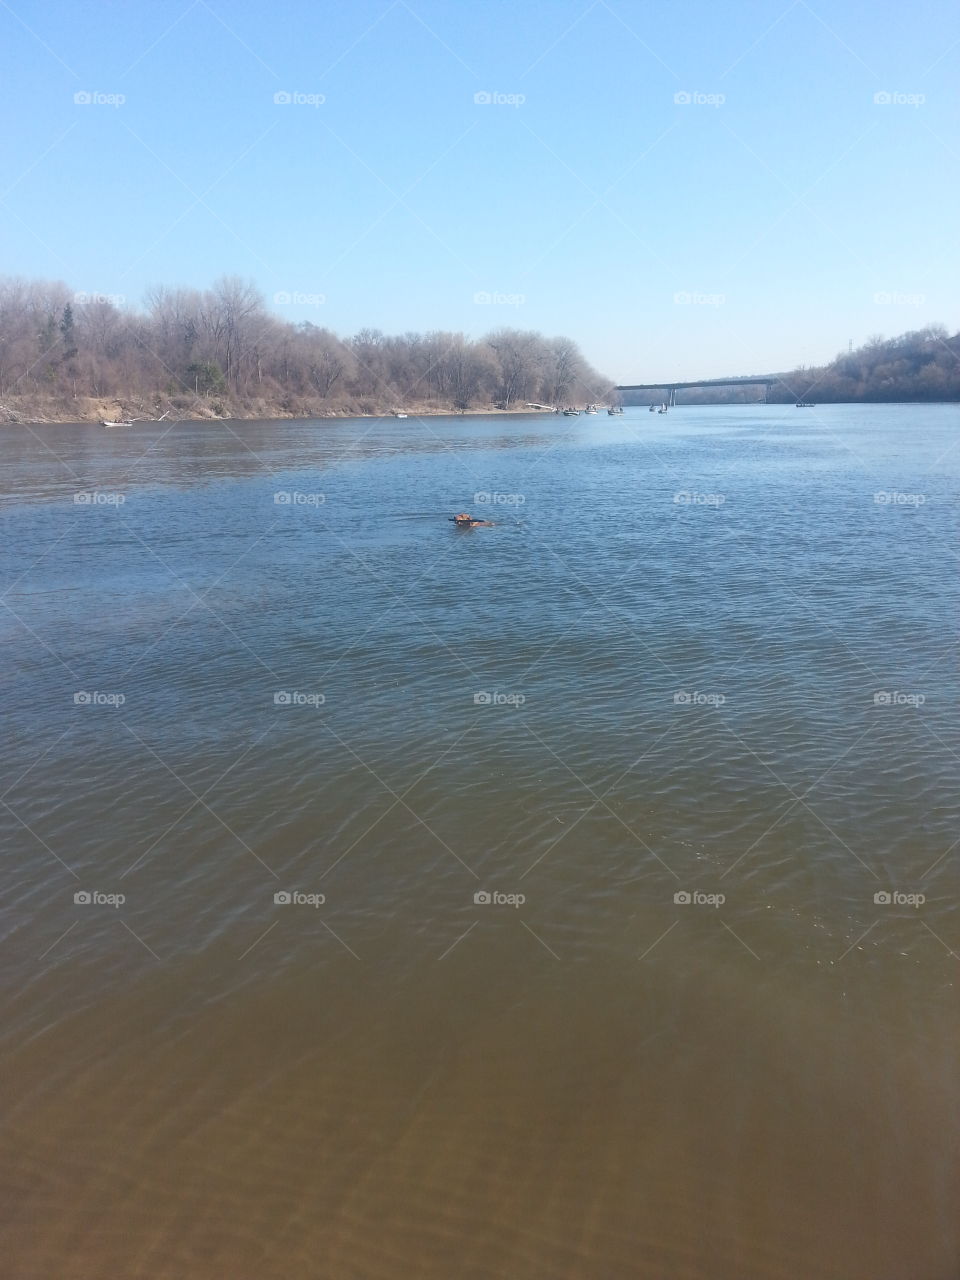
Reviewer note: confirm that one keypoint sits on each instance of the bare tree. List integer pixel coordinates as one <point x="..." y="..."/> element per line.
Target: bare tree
<point x="224" y="343"/>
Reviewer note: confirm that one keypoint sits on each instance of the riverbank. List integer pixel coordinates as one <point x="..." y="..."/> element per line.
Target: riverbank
<point x="37" y="410"/>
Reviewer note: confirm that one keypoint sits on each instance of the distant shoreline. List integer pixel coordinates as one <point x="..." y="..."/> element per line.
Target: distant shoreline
<point x="87" y="414"/>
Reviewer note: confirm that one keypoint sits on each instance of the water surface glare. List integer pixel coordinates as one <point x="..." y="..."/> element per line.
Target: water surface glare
<point x="572" y="898"/>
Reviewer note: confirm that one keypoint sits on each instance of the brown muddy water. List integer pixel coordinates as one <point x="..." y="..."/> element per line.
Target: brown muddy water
<point x="572" y="898"/>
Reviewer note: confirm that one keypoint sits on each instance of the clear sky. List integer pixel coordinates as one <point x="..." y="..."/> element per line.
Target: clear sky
<point x="764" y="222"/>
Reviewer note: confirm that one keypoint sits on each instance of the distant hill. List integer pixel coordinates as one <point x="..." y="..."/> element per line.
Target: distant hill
<point x="923" y="365"/>
<point x="918" y="366"/>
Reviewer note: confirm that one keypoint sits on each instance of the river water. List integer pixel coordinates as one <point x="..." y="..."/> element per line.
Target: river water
<point x="617" y="931"/>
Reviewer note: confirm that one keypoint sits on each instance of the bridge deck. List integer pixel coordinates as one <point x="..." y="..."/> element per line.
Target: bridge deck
<point x="707" y="382"/>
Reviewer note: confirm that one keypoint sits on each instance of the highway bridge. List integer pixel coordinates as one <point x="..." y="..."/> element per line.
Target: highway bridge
<point x="671" y="388"/>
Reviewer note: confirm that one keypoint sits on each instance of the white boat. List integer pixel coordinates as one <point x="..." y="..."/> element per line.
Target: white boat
<point x="571" y="413"/>
<point x="398" y="414"/>
<point x="104" y="423"/>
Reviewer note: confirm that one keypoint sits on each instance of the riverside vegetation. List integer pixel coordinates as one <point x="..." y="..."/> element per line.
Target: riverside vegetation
<point x="220" y="353"/>
<point x="921" y="366"/>
<point x="71" y="357"/>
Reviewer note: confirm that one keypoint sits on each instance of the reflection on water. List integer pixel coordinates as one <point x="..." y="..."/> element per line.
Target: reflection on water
<point x="617" y="923"/>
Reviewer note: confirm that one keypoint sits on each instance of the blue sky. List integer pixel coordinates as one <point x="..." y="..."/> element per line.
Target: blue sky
<point x="764" y="222"/>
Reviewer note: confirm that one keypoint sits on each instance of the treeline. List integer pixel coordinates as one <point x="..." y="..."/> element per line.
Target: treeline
<point x="212" y="351"/>
<point x="923" y="365"/>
